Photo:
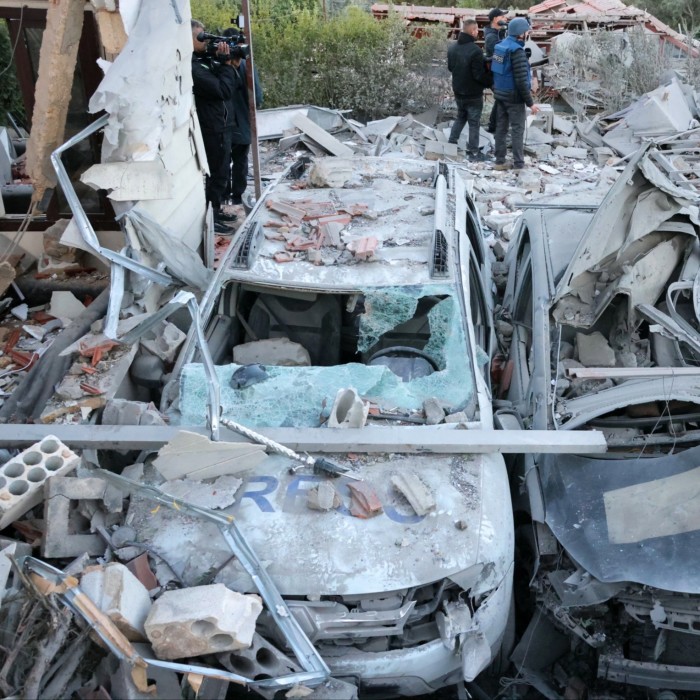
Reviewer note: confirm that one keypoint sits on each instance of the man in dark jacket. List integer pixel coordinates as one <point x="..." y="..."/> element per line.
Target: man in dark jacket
<point x="495" y="32"/>
<point x="214" y="80"/>
<point x="240" y="135"/>
<point x="465" y="61"/>
<point x="512" y="90"/>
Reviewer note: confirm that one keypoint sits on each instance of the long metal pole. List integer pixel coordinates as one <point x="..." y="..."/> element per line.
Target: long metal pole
<point x="250" y="67"/>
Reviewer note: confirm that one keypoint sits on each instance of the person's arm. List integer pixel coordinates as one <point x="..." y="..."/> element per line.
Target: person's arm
<point x="213" y="83"/>
<point x="479" y="72"/>
<point x="521" y="76"/>
<point x="450" y="59"/>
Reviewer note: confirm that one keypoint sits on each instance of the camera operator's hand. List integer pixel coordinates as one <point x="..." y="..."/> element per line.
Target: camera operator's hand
<point x="223" y="52"/>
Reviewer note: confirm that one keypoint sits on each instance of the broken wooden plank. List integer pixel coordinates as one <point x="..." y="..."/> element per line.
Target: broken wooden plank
<point x="631" y="372"/>
<point x="321" y="136"/>
<point x="392" y="439"/>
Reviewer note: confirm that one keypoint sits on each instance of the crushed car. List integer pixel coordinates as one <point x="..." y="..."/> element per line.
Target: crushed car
<point x="603" y="297"/>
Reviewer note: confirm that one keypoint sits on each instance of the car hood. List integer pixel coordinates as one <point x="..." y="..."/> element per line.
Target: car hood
<point x="309" y="552"/>
<point x="635" y="519"/>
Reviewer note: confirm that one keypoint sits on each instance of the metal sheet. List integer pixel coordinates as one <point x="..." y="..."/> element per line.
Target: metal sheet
<point x="575" y="489"/>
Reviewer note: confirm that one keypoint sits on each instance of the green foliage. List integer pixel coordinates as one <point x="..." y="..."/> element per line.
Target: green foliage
<point x="215" y="15"/>
<point x="349" y="61"/>
<point x="10" y="96"/>
<point x="676" y="13"/>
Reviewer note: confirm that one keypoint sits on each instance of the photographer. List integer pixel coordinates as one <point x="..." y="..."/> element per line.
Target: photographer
<point x="240" y="108"/>
<point x="214" y="82"/>
<point x="495" y="32"/>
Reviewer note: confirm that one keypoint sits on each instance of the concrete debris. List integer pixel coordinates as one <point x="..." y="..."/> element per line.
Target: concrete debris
<point x="164" y="341"/>
<point x="220" y="493"/>
<point x="23" y="477"/>
<point x="201" y="620"/>
<point x="65" y="306"/>
<point x="348" y="410"/>
<point x="434" y="412"/>
<point x="409" y="485"/>
<point x="279" y="352"/>
<point x="68" y="502"/>
<point x="120" y="595"/>
<point x="123" y="412"/>
<point x="323" y="497"/>
<point x="321" y="136"/>
<point x="196" y="457"/>
<point x="594" y="350"/>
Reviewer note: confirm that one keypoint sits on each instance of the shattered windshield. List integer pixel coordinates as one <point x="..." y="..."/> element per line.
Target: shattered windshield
<point x="420" y="327"/>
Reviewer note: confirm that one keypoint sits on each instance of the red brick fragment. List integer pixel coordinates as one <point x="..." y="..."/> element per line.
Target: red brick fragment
<point x="140" y="568"/>
<point x="365" y="503"/>
<point x="283" y="257"/>
<point x="363" y="248"/>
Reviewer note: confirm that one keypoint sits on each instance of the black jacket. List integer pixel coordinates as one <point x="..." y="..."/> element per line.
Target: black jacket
<point x="465" y="61"/>
<point x="491" y="37"/>
<point x="213" y="86"/>
<point x="240" y="109"/>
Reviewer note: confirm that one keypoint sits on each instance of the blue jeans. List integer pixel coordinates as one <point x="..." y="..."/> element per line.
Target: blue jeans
<point x="468" y="110"/>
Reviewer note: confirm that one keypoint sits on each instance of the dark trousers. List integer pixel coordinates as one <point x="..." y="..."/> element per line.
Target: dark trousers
<point x="218" y="148"/>
<point x="492" y="118"/>
<point x="468" y="110"/>
<point x="239" y="171"/>
<point x="510" y="114"/>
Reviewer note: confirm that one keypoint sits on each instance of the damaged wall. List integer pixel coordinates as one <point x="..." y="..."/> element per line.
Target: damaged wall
<point x="149" y="155"/>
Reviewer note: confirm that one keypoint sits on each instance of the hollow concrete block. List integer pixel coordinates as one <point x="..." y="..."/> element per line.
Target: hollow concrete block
<point x="22" y="478"/>
<point x="120" y="596"/>
<point x="201" y="620"/>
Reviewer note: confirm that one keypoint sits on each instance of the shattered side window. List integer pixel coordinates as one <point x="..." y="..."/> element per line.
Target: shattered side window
<point x="303" y="396"/>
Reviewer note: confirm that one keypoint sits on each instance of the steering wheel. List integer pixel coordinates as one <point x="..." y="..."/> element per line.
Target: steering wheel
<point x="403" y="351"/>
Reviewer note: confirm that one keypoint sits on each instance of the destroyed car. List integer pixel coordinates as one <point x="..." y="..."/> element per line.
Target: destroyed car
<point x="604" y="303"/>
<point x="354" y="302"/>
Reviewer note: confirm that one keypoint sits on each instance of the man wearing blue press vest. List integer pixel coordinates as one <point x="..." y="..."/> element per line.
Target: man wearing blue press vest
<point x="512" y="90"/>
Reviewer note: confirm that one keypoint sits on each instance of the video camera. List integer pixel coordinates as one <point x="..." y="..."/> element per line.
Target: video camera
<point x="236" y="43"/>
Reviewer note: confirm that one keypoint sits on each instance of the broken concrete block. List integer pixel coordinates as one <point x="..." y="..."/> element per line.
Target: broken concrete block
<point x="348" y="411"/>
<point x="123" y="412"/>
<point x="541" y="151"/>
<point x="323" y="497"/>
<point x="164" y="341"/>
<point x="530" y="180"/>
<point x="196" y="457"/>
<point x="434" y="412"/>
<point x="571" y="152"/>
<point x="415" y="491"/>
<point x="61" y="539"/>
<point x="536" y="137"/>
<point x="279" y="352"/>
<point x="562" y="125"/>
<point x="459" y="417"/>
<point x="436" y="150"/>
<point x="221" y="493"/>
<point x="365" y="503"/>
<point x="594" y="350"/>
<point x="497" y="221"/>
<point x="22" y="478"/>
<point x="120" y="596"/>
<point x="201" y="620"/>
<point x="7" y="277"/>
<point x="65" y="305"/>
<point x="603" y="154"/>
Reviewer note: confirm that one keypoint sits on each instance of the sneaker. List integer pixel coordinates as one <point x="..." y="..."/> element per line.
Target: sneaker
<point x="519" y="167"/>
<point x="479" y="157"/>
<point x="222" y="229"/>
<point x="223" y="216"/>
<point x="502" y="166"/>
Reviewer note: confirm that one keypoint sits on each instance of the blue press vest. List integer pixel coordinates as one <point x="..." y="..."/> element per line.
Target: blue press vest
<point x="501" y="65"/>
